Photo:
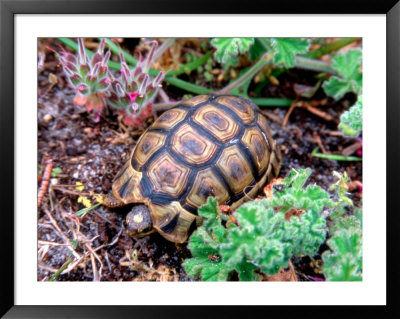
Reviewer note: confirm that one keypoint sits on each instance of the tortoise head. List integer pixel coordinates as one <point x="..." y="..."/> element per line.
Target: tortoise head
<point x="138" y="222"/>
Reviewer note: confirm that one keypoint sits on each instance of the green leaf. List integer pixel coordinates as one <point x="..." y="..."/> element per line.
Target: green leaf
<point x="348" y="67"/>
<point x="85" y="210"/>
<point x="246" y="271"/>
<point x="297" y="178"/>
<point x="344" y="261"/>
<point x="204" y="245"/>
<point x="337" y="87"/>
<point x="351" y="120"/>
<point x="208" y="270"/>
<point x="257" y="239"/>
<point x="209" y="211"/>
<point x="228" y="49"/>
<point x="55" y="171"/>
<point x="287" y="48"/>
<point x="257" y="50"/>
<point x="306" y="233"/>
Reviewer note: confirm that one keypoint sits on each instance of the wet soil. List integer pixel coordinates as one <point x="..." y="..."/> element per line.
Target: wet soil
<point x="92" y="152"/>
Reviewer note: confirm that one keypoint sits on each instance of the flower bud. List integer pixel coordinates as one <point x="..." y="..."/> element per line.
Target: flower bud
<point x="119" y="90"/>
<point x="150" y="55"/>
<point x="82" y="53"/>
<point x="75" y="79"/>
<point x="104" y="83"/>
<point x="82" y="88"/>
<point x="101" y="46"/>
<point x="160" y="77"/>
<point x="138" y="70"/>
<point x="143" y="86"/>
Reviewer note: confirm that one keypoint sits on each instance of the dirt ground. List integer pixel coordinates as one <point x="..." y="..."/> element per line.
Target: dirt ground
<point x="95" y="246"/>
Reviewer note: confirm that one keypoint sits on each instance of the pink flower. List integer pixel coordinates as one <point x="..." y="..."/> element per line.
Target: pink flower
<point x="133" y="96"/>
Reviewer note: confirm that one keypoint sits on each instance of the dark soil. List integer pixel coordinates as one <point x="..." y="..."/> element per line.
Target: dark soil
<point x="92" y="153"/>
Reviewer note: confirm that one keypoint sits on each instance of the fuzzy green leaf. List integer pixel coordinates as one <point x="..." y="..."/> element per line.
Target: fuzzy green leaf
<point x="257" y="239"/>
<point x="228" y="49"/>
<point x="204" y="245"/>
<point x="256" y="50"/>
<point x="348" y="67"/>
<point x="286" y="49"/>
<point x="293" y="194"/>
<point x="305" y="233"/>
<point x="337" y="87"/>
<point x="344" y="261"/>
<point x="351" y="120"/>
<point x="297" y="178"/>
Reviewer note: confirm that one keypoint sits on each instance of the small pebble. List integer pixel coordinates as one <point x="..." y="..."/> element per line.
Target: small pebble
<point x="47" y="118"/>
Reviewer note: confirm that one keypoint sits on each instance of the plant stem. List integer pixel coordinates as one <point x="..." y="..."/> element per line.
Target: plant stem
<point x="192" y="88"/>
<point x="272" y="101"/>
<point x="85" y="210"/>
<point x="190" y="66"/>
<point x="328" y="48"/>
<point x="163" y="47"/>
<point x="263" y="61"/>
<point x="59" y="271"/>
<point x="335" y="157"/>
<point x="312" y="64"/>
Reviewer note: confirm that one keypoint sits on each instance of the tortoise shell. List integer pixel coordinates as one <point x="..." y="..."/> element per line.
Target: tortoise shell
<point x="210" y="145"/>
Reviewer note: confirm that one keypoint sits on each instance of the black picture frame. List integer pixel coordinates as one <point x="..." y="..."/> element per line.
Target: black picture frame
<point x="8" y="10"/>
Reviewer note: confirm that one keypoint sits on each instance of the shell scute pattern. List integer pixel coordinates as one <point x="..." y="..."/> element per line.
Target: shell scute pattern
<point x="210" y="145"/>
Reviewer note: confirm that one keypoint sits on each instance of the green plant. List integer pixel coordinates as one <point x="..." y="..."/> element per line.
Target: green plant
<point x="89" y="76"/>
<point x="286" y="49"/>
<point x="343" y="262"/>
<point x="131" y="93"/>
<point x="349" y="74"/>
<point x="267" y="233"/>
<point x="228" y="49"/>
<point x="351" y="120"/>
<point x="340" y="187"/>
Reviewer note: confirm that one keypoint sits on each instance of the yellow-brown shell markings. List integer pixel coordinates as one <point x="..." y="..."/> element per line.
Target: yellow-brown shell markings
<point x="235" y="169"/>
<point x="189" y="143"/>
<point x="257" y="143"/>
<point x="167" y="175"/>
<point x="217" y="122"/>
<point x="147" y="145"/>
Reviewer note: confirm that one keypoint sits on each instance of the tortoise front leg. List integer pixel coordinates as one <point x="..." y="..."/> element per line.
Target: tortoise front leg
<point x="109" y="200"/>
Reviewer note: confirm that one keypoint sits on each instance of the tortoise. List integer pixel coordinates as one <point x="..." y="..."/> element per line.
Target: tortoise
<point x="209" y="145"/>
